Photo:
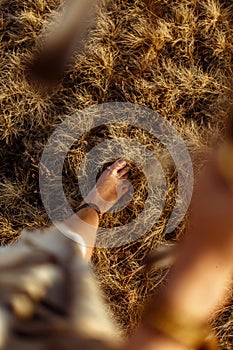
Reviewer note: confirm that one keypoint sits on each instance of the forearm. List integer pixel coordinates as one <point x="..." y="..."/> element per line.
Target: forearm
<point x="85" y="223"/>
<point x="109" y="188"/>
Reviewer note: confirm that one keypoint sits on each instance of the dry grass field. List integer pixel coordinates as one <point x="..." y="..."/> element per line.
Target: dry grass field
<point x="174" y="57"/>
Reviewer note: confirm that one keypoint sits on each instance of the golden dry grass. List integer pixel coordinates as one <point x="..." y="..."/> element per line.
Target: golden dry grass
<point x="174" y="57"/>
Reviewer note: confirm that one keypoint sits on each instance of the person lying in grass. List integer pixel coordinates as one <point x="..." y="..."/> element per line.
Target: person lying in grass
<point x="199" y="283"/>
<point x="176" y="318"/>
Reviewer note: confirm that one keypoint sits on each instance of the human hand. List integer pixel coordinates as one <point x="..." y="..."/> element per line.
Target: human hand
<point x="111" y="186"/>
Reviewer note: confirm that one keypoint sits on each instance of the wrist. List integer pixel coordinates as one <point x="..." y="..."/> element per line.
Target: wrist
<point x="95" y="198"/>
<point x="88" y="205"/>
<point x="88" y="214"/>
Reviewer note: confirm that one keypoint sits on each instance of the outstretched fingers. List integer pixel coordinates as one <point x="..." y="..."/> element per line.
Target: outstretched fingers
<point x="118" y="165"/>
<point x="124" y="173"/>
<point x="119" y="169"/>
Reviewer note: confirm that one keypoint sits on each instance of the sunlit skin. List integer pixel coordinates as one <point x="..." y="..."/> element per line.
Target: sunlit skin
<point x="205" y="261"/>
<point x="110" y="188"/>
<point x="199" y="283"/>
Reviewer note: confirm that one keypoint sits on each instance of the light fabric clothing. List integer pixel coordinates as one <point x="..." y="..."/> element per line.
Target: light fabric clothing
<point x="53" y="297"/>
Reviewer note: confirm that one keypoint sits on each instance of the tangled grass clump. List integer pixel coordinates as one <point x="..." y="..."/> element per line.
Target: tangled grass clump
<point x="173" y="57"/>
